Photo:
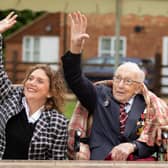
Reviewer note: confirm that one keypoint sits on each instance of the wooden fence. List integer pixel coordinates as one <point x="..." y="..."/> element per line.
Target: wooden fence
<point x="159" y="76"/>
<point x="17" y="69"/>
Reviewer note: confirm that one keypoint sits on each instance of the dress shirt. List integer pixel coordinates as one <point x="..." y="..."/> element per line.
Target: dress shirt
<point x="35" y="116"/>
<point x="129" y="105"/>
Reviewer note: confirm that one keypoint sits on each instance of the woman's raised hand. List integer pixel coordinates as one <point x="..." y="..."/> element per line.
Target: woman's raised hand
<point x="7" y="22"/>
<point x="78" y="31"/>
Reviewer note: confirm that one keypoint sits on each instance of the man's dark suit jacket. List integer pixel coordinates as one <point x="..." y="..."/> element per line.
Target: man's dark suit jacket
<point x="105" y="132"/>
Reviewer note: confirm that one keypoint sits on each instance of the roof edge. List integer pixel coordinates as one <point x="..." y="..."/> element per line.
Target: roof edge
<point x="28" y="25"/>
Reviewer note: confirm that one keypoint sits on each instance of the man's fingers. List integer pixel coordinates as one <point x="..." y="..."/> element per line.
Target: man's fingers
<point x="84" y="22"/>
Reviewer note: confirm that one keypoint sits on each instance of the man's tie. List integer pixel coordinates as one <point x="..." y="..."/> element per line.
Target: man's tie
<point x="123" y="118"/>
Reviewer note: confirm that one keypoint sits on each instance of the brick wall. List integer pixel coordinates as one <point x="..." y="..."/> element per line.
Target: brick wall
<point x="143" y="44"/>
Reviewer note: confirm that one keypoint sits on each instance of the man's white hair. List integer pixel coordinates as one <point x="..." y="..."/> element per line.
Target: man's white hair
<point x="133" y="67"/>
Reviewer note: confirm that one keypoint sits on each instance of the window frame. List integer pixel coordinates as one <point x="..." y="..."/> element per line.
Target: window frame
<point x="111" y="51"/>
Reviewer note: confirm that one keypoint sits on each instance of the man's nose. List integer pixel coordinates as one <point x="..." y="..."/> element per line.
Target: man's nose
<point x="121" y="82"/>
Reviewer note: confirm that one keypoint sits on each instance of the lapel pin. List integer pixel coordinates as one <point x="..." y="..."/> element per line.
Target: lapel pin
<point x="106" y="103"/>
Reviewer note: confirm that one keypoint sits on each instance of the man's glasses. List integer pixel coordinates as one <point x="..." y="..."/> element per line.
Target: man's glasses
<point x="126" y="81"/>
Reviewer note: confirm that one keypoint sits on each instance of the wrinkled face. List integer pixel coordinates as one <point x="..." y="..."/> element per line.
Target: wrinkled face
<point x="37" y="86"/>
<point x="125" y="85"/>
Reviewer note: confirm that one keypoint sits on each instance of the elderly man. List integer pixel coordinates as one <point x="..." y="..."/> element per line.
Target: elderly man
<point x="117" y="111"/>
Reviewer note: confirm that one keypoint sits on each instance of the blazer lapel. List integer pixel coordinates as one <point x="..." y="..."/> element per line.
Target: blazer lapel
<point x="41" y="125"/>
<point x="137" y="109"/>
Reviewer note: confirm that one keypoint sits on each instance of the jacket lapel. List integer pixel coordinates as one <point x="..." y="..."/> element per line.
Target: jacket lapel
<point x="134" y="115"/>
<point x="41" y="126"/>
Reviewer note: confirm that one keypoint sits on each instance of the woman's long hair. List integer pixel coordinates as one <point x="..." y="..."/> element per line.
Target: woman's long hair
<point x="56" y="87"/>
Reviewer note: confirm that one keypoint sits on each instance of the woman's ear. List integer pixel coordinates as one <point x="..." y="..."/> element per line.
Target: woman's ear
<point x="49" y="95"/>
<point x="137" y="92"/>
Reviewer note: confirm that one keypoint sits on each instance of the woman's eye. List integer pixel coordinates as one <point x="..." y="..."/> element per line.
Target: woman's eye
<point x="30" y="78"/>
<point x="40" y="81"/>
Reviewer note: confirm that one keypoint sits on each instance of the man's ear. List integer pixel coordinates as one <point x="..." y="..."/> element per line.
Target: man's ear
<point x="138" y="89"/>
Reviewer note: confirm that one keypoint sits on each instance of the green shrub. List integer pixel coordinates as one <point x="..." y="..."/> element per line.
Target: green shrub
<point x="69" y="108"/>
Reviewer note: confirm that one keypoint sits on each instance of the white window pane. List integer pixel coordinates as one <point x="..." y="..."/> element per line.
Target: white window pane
<point x="36" y="43"/>
<point x="36" y="56"/>
<point x="164" y="71"/>
<point x="41" y="49"/>
<point x="27" y="55"/>
<point x="165" y="51"/>
<point x="122" y="46"/>
<point x="27" y="43"/>
<point x="121" y="43"/>
<point x="164" y="90"/>
<point x="49" y="49"/>
<point x="106" y="44"/>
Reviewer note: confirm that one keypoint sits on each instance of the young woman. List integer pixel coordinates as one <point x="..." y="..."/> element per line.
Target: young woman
<point x="31" y="123"/>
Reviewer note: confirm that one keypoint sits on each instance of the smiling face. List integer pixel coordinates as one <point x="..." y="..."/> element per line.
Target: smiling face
<point x="126" y="82"/>
<point x="36" y="86"/>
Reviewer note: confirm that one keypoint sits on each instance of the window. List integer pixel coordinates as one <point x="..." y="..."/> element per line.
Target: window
<point x="107" y="46"/>
<point x="165" y="51"/>
<point x="164" y="70"/>
<point x="40" y="49"/>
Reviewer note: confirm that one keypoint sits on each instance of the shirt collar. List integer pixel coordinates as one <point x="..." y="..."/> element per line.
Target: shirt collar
<point x="129" y="105"/>
<point x="35" y="116"/>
